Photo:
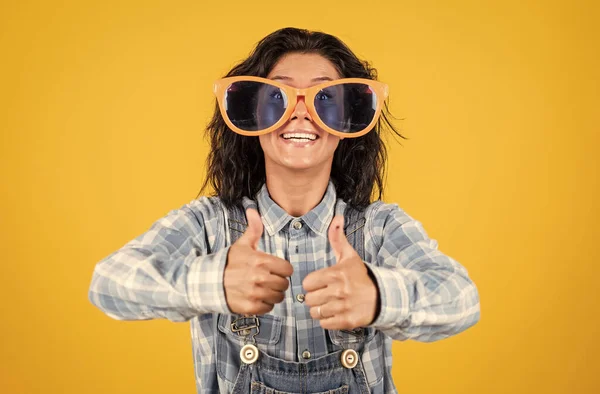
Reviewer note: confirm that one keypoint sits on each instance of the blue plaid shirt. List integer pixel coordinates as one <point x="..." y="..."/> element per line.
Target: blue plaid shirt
<point x="175" y="271"/>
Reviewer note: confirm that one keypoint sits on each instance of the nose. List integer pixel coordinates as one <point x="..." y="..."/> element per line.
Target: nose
<point x="301" y="110"/>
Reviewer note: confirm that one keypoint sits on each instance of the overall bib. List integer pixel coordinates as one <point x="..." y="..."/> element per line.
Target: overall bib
<point x="336" y="373"/>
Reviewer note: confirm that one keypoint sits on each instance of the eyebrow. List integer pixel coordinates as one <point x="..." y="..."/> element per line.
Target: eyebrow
<point x="285" y="78"/>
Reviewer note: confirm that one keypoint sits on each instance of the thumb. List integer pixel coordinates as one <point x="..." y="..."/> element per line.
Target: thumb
<point x="337" y="238"/>
<point x="255" y="228"/>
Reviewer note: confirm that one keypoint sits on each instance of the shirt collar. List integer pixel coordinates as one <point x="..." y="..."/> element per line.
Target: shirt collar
<point x="275" y="218"/>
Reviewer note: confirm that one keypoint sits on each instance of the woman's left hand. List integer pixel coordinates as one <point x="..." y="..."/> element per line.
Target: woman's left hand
<point x="343" y="296"/>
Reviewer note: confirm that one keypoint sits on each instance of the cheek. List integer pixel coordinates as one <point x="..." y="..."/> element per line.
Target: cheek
<point x="261" y="140"/>
<point x="265" y="142"/>
<point x="332" y="143"/>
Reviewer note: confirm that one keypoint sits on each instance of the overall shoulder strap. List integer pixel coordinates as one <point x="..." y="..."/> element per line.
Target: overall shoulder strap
<point x="237" y="222"/>
<point x="354" y="223"/>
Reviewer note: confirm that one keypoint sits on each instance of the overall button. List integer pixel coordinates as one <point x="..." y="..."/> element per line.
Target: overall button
<point x="306" y="354"/>
<point x="249" y="354"/>
<point x="300" y="297"/>
<point x="349" y="358"/>
<point x="297" y="225"/>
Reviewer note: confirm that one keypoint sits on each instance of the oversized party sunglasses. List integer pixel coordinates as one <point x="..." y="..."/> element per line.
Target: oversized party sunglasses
<point x="348" y="107"/>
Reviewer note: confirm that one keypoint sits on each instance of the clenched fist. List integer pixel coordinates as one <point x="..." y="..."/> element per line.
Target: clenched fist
<point x="254" y="281"/>
<point x="343" y="296"/>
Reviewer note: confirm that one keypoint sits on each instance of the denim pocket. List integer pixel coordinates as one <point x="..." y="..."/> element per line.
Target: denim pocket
<point x="230" y="340"/>
<point x="260" y="388"/>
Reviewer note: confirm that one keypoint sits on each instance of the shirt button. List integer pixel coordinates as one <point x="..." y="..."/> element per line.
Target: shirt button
<point x="297" y="225"/>
<point x="306" y="354"/>
<point x="300" y="297"/>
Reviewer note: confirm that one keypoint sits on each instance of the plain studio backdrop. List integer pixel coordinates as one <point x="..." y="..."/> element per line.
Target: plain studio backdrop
<point x="102" y="112"/>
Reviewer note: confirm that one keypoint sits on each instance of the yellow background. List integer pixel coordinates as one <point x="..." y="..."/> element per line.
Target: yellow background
<point x="102" y="111"/>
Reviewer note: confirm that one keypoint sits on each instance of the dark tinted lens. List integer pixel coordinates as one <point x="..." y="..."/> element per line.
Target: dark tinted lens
<point x="348" y="107"/>
<point x="254" y="106"/>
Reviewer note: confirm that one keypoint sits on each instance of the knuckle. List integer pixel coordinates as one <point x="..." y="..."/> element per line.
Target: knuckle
<point x="259" y="261"/>
<point x="308" y="299"/>
<point x="343" y="276"/>
<point x="341" y="292"/>
<point x="280" y="297"/>
<point x="336" y="275"/>
<point x="289" y="267"/>
<point x="252" y="297"/>
<point x="259" y="278"/>
<point x="346" y="305"/>
<point x="313" y="313"/>
<point x="254" y="292"/>
<point x="338" y="292"/>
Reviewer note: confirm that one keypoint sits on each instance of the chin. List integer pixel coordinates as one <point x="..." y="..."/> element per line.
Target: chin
<point x="298" y="163"/>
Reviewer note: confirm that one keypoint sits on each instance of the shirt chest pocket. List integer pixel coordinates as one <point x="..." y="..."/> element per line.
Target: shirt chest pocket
<point x="234" y="331"/>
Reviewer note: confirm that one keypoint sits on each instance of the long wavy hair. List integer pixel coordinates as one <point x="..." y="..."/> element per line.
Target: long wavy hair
<point x="236" y="163"/>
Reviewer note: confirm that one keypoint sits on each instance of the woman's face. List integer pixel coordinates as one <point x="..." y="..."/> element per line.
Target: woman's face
<point x="288" y="147"/>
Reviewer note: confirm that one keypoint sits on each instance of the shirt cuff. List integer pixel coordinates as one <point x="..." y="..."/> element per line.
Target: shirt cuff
<point x="205" y="289"/>
<point x="393" y="296"/>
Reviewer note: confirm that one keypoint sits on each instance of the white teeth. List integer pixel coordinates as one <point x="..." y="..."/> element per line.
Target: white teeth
<point x="302" y="137"/>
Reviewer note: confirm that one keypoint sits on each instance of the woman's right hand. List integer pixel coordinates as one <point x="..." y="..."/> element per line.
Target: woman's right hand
<point x="254" y="281"/>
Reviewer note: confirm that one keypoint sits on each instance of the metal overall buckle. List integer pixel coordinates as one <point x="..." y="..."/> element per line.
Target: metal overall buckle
<point x="357" y="332"/>
<point x="349" y="357"/>
<point x="243" y="326"/>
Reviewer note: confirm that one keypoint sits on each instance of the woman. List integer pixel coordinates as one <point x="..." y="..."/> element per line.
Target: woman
<point x="280" y="292"/>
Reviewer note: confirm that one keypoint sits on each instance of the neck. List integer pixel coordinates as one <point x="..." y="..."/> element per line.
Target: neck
<point x="297" y="192"/>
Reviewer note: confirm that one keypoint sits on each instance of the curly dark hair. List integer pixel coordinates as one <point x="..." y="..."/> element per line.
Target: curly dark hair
<point x="236" y="164"/>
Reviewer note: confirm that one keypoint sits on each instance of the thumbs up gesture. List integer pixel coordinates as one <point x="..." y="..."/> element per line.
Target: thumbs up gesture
<point x="343" y="296"/>
<point x="254" y="281"/>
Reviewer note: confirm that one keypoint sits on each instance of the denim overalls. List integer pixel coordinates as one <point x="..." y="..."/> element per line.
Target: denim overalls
<point x="239" y="338"/>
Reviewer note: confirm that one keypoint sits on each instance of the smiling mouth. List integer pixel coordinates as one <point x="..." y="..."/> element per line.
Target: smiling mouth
<point x="299" y="137"/>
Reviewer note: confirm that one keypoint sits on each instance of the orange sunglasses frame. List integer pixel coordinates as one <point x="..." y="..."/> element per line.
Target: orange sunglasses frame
<point x="380" y="89"/>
